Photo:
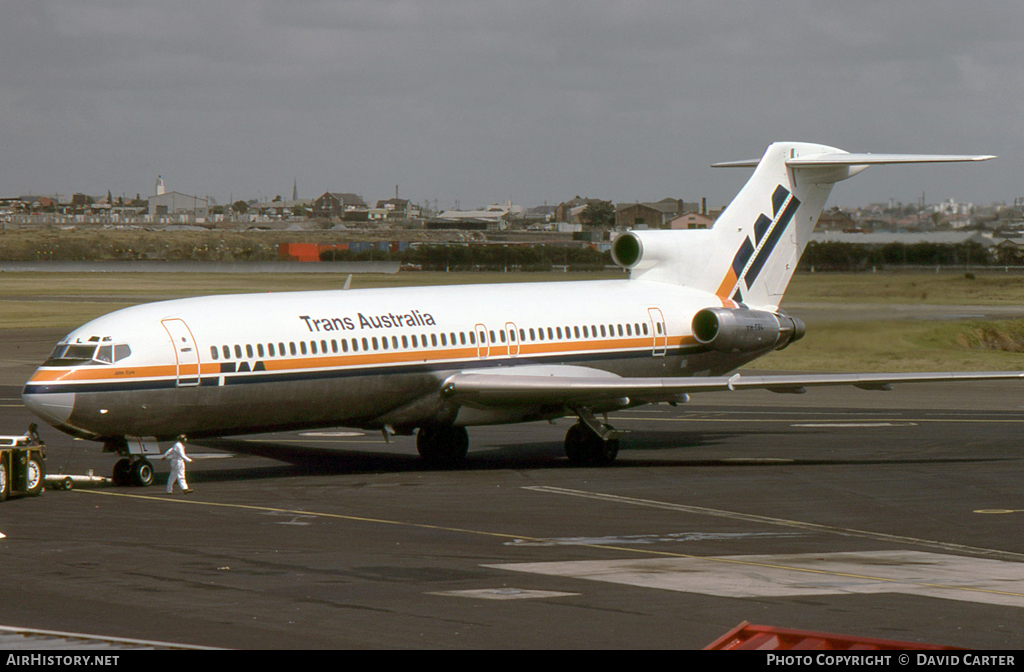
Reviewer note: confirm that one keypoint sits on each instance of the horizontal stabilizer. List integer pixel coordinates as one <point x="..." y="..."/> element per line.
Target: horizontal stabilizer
<point x="825" y="160"/>
<point x="847" y="159"/>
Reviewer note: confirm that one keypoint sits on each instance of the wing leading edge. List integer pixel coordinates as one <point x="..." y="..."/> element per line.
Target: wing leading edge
<point x="489" y="389"/>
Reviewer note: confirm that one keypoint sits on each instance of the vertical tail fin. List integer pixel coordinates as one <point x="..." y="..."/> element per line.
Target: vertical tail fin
<point x="751" y="253"/>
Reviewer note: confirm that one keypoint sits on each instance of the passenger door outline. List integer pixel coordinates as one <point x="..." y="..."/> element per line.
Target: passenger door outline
<point x="659" y="332"/>
<point x="512" y="336"/>
<point x="186" y="354"/>
<point x="483" y="345"/>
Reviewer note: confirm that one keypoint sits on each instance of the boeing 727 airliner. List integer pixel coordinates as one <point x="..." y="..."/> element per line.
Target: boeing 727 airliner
<point x="434" y="361"/>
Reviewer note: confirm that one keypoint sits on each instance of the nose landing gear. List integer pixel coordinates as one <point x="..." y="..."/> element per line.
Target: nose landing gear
<point x="133" y="471"/>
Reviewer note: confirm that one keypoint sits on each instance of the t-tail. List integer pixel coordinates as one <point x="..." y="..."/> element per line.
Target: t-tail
<point x="751" y="253"/>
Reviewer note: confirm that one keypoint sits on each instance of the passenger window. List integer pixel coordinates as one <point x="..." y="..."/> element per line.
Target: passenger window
<point x="645" y="328"/>
<point x="532" y="335"/>
<point x="312" y="347"/>
<point x="462" y="337"/>
<point x="291" y="348"/>
<point x="433" y="340"/>
<point x="491" y="334"/>
<point x="576" y="331"/>
<point x="472" y="338"/>
<point x="334" y="346"/>
<point x="502" y="335"/>
<point x="302" y="346"/>
<point x="551" y="334"/>
<point x="238" y="352"/>
<point x="620" y="330"/>
<point x="405" y="341"/>
<point x="344" y="345"/>
<point x="558" y="330"/>
<point x="280" y="349"/>
<point x="540" y="334"/>
<point x="603" y="332"/>
<point x="658" y="325"/>
<point x="259" y="350"/>
<point x="323" y="347"/>
<point x="270" y="349"/>
<point x="213" y="351"/>
<point x="384" y="342"/>
<point x="444" y="341"/>
<point x="414" y="344"/>
<point x="522" y="335"/>
<point x="248" y="351"/>
<point x="227" y="352"/>
<point x="375" y="345"/>
<point x="394" y="342"/>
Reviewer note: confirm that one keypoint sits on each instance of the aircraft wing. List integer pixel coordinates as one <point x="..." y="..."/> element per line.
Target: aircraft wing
<point x="584" y="388"/>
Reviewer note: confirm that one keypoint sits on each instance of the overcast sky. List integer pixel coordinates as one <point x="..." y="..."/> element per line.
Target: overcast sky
<point x="486" y="101"/>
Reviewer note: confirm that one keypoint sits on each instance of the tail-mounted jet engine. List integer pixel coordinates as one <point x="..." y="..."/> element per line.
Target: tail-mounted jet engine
<point x="742" y="330"/>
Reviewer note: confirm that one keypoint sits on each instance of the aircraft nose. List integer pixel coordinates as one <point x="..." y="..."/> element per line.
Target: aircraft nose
<point x="53" y="407"/>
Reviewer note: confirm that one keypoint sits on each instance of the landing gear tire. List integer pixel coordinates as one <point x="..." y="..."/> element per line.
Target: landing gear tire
<point x="442" y="446"/>
<point x="5" y="479"/>
<point x="34" y="480"/>
<point x="142" y="473"/>
<point x="584" y="448"/>
<point x="122" y="472"/>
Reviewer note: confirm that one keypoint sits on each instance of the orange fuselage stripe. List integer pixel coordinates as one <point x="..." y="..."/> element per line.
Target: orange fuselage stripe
<point x="379" y="357"/>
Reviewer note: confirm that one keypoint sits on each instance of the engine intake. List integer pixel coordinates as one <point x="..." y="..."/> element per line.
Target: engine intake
<point x="743" y="330"/>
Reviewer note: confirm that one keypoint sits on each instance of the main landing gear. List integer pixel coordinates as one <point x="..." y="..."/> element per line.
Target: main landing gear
<point x="133" y="471"/>
<point x="442" y="445"/>
<point x="590" y="443"/>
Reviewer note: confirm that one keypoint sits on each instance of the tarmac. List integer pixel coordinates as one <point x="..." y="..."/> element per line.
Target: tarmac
<point x="894" y="515"/>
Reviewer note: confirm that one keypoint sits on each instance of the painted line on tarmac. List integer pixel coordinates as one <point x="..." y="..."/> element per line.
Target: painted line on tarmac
<point x="853" y="425"/>
<point x="500" y="535"/>
<point x="766" y="520"/>
<point x="944" y="576"/>
<point x="299" y="512"/>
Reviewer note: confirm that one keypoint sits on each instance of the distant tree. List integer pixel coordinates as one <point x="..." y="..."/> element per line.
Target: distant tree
<point x="241" y="207"/>
<point x="598" y="215"/>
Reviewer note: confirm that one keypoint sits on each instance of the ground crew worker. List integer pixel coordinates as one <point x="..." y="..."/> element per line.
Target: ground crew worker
<point x="176" y="454"/>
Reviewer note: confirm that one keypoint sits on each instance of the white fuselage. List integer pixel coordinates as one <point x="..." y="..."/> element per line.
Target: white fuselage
<point x="234" y="364"/>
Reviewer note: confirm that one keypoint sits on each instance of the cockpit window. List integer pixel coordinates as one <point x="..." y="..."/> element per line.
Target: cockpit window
<point x="84" y="354"/>
<point x="71" y="355"/>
